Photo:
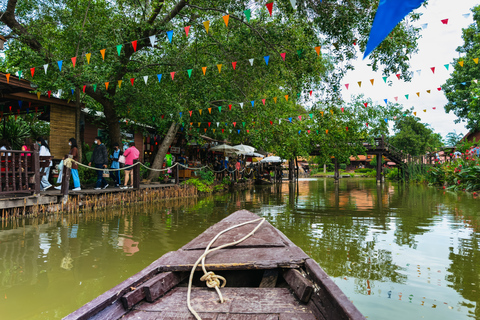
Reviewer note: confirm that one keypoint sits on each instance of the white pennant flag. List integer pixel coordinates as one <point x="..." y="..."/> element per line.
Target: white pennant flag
<point x="241" y="105"/>
<point x="45" y="66"/>
<point x="279" y="121"/>
<point x="419" y="72"/>
<point x="60" y="92"/>
<point x="230" y="130"/>
<point x="294" y="4"/>
<point x="171" y="115"/>
<point x="476" y="81"/>
<point x="153" y="39"/>
<point x="145" y="78"/>
<point x="251" y="61"/>
<point x="466" y="15"/>
<point x="218" y="123"/>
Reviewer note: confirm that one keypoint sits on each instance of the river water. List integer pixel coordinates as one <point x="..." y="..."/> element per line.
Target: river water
<point x="398" y="252"/>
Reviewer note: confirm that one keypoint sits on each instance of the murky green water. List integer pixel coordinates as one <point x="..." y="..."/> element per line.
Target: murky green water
<point x="397" y="252"/>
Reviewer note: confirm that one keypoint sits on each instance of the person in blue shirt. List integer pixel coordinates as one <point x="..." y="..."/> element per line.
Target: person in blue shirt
<point x="115" y="175"/>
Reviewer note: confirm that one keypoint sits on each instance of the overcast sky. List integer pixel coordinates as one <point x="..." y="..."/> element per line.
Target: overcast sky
<point x="435" y="49"/>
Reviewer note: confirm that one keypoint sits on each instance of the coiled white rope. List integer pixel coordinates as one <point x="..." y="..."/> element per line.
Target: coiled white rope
<point x="213" y="280"/>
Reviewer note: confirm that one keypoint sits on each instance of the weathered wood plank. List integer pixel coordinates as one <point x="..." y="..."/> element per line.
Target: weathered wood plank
<point x="302" y="316"/>
<point x="145" y="315"/>
<point x="160" y="284"/>
<point x="233" y="316"/>
<point x="302" y="287"/>
<point x="269" y="279"/>
<point x="133" y="297"/>
<point x="341" y="304"/>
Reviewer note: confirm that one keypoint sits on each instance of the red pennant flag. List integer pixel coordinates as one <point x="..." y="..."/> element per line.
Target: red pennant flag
<point x="346" y="85"/>
<point x="172" y="74"/>
<point x="209" y="124"/>
<point x="343" y="109"/>
<point x="398" y="76"/>
<point x="365" y="104"/>
<point x="32" y="71"/>
<point x="346" y="128"/>
<point x="163" y="116"/>
<point x="248" y="131"/>
<point x="433" y="69"/>
<point x="134" y="45"/>
<point x="439" y="89"/>
<point x="74" y="61"/>
<point x="444" y="21"/>
<point x="271" y="122"/>
<point x="190" y="113"/>
<point x="396" y="98"/>
<point x="234" y="64"/>
<point x="434" y="108"/>
<point x="187" y="29"/>
<point x="269" y="7"/>
<point x="308" y="131"/>
<point x="223" y="130"/>
<point x="367" y="124"/>
<point x="84" y="87"/>
<point x="300" y="118"/>
<point x="263" y="100"/>
<point x="311" y="93"/>
<point x="283" y="55"/>
<point x="230" y="107"/>
<point x="49" y="93"/>
<point x="234" y="124"/>
<point x="132" y="80"/>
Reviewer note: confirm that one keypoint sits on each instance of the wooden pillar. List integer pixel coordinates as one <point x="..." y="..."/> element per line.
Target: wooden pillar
<point x="296" y="164"/>
<point x="336" y="175"/>
<point x="177" y="174"/>
<point x="379" y="168"/>
<point x="66" y="172"/>
<point x="290" y="169"/>
<point x="36" y="168"/>
<point x="136" y="175"/>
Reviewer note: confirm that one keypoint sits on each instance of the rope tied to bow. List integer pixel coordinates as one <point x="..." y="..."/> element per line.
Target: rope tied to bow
<point x="212" y="280"/>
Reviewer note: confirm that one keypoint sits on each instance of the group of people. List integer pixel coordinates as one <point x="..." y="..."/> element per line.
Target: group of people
<point x="229" y="167"/>
<point x="474" y="150"/>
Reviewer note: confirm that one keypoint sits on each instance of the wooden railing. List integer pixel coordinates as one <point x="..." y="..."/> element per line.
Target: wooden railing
<point x="20" y="171"/>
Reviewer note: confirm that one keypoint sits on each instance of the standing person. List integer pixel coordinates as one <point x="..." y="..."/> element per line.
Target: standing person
<point x="5" y="145"/>
<point x="44" y="152"/>
<point x="130" y="154"/>
<point x="238" y="167"/>
<point x="27" y="146"/>
<point x="117" y="152"/>
<point x="73" y="154"/>
<point x="100" y="159"/>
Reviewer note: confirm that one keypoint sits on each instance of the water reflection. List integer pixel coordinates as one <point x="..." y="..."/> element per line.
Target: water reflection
<point x="396" y="251"/>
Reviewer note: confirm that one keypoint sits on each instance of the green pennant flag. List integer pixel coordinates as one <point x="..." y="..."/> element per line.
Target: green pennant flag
<point x="247" y="14"/>
<point x="447" y="65"/>
<point x="384" y="79"/>
<point x="94" y="87"/>
<point x="153" y="118"/>
<point x="406" y="96"/>
<point x="220" y="109"/>
<point x="183" y="124"/>
<point x="311" y="115"/>
<point x="198" y="129"/>
<point x="19" y="74"/>
<point x="298" y="95"/>
<point x="189" y="72"/>
<point x="299" y="53"/>
<point x="243" y="124"/>
<point x="317" y="131"/>
<point x="119" y="49"/>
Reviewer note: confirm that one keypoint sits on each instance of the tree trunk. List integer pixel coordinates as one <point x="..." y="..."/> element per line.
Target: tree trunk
<point x="162" y="151"/>
<point x="113" y="123"/>
<point x="78" y="113"/>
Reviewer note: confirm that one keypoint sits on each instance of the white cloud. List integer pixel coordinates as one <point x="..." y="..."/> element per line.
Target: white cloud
<point x="436" y="48"/>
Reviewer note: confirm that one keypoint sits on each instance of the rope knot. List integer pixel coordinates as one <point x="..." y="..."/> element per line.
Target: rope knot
<point x="212" y="280"/>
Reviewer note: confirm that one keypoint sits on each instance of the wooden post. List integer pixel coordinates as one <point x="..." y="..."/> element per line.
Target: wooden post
<point x="177" y="174"/>
<point x="136" y="175"/>
<point x="336" y="175"/>
<point x="290" y="169"/>
<point x="66" y="173"/>
<point x="296" y="164"/>
<point x="379" y="167"/>
<point x="36" y="168"/>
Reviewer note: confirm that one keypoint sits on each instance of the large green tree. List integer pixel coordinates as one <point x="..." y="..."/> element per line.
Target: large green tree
<point x="46" y="31"/>
<point x="460" y="89"/>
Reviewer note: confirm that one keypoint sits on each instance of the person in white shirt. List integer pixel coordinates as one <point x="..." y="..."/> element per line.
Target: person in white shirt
<point x="44" y="151"/>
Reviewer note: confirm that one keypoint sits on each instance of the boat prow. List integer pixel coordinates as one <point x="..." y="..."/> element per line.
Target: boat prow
<point x="268" y="277"/>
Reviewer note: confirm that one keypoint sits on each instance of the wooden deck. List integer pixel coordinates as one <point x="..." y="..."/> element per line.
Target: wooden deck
<point x="268" y="277"/>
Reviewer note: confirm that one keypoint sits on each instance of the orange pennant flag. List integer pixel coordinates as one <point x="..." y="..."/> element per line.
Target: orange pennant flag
<point x="119" y="83"/>
<point x="204" y="69"/>
<point x="359" y="83"/>
<point x="225" y="19"/>
<point x="286" y="97"/>
<point x="74" y="61"/>
<point x="106" y="85"/>
<point x="418" y="94"/>
<point x="210" y="110"/>
<point x="8" y="77"/>
<point x="207" y="25"/>
<point x="134" y="45"/>
<point x="321" y="113"/>
<point x="205" y="129"/>
<point x="219" y="66"/>
<point x="326" y="131"/>
<point x="88" y="55"/>
<point x="32" y="71"/>
<point x="318" y="50"/>
<point x="475" y="60"/>
<point x="460" y="63"/>
<point x="103" y="54"/>
<point x="172" y="74"/>
<point x="371" y="81"/>
<point x="275" y="99"/>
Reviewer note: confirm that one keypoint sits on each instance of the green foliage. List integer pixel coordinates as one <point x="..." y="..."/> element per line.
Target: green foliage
<point x="461" y="174"/>
<point x="15" y="131"/>
<point x="87" y="176"/>
<point x="144" y="171"/>
<point x="226" y="180"/>
<point x="87" y="153"/>
<point x="413" y="137"/>
<point x="343" y="166"/>
<point x="466" y="145"/>
<point x="452" y="138"/>
<point x="367" y="172"/>
<point x="207" y="176"/>
<point x="391" y="173"/>
<point x="463" y="93"/>
<point x="200" y="185"/>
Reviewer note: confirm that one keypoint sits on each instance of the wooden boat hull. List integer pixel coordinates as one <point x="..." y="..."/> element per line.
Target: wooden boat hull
<point x="268" y="277"/>
<point x="262" y="182"/>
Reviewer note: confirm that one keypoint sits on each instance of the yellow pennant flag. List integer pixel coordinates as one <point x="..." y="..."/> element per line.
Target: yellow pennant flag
<point x="460" y="63"/>
<point x="286" y="97"/>
<point x="219" y="66"/>
<point x="275" y="99"/>
<point x="225" y="19"/>
<point x="331" y="111"/>
<point x="199" y="124"/>
<point x="206" y="24"/>
<point x="200" y="111"/>
<point x="415" y="113"/>
<point x="38" y="94"/>
<point x="371" y="81"/>
<point x="106" y="85"/>
<point x="103" y="54"/>
<point x="359" y="83"/>
<point x="210" y="110"/>
<point x="204" y="69"/>
<point x="475" y="60"/>
<point x="119" y="83"/>
<point x="88" y="55"/>
<point x="321" y="113"/>
<point x="214" y="130"/>
<point x="424" y="110"/>
<point x="428" y="91"/>
<point x="418" y="94"/>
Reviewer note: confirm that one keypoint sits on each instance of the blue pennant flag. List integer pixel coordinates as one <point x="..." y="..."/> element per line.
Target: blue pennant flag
<point x="28" y="110"/>
<point x="386" y="101"/>
<point x="266" y="59"/>
<point x="181" y="129"/>
<point x="252" y="102"/>
<point x="159" y="76"/>
<point x="170" y="35"/>
<point x="181" y="114"/>
<point x="386" y="120"/>
<point x="290" y="119"/>
<point x="299" y="131"/>
<point x="238" y="130"/>
<point x="389" y="14"/>
<point x="20" y="102"/>
<point x="464" y="83"/>
<point x="72" y="91"/>
<point x="60" y="64"/>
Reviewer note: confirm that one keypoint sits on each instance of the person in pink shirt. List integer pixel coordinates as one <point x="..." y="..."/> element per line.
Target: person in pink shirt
<point x="130" y="154"/>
